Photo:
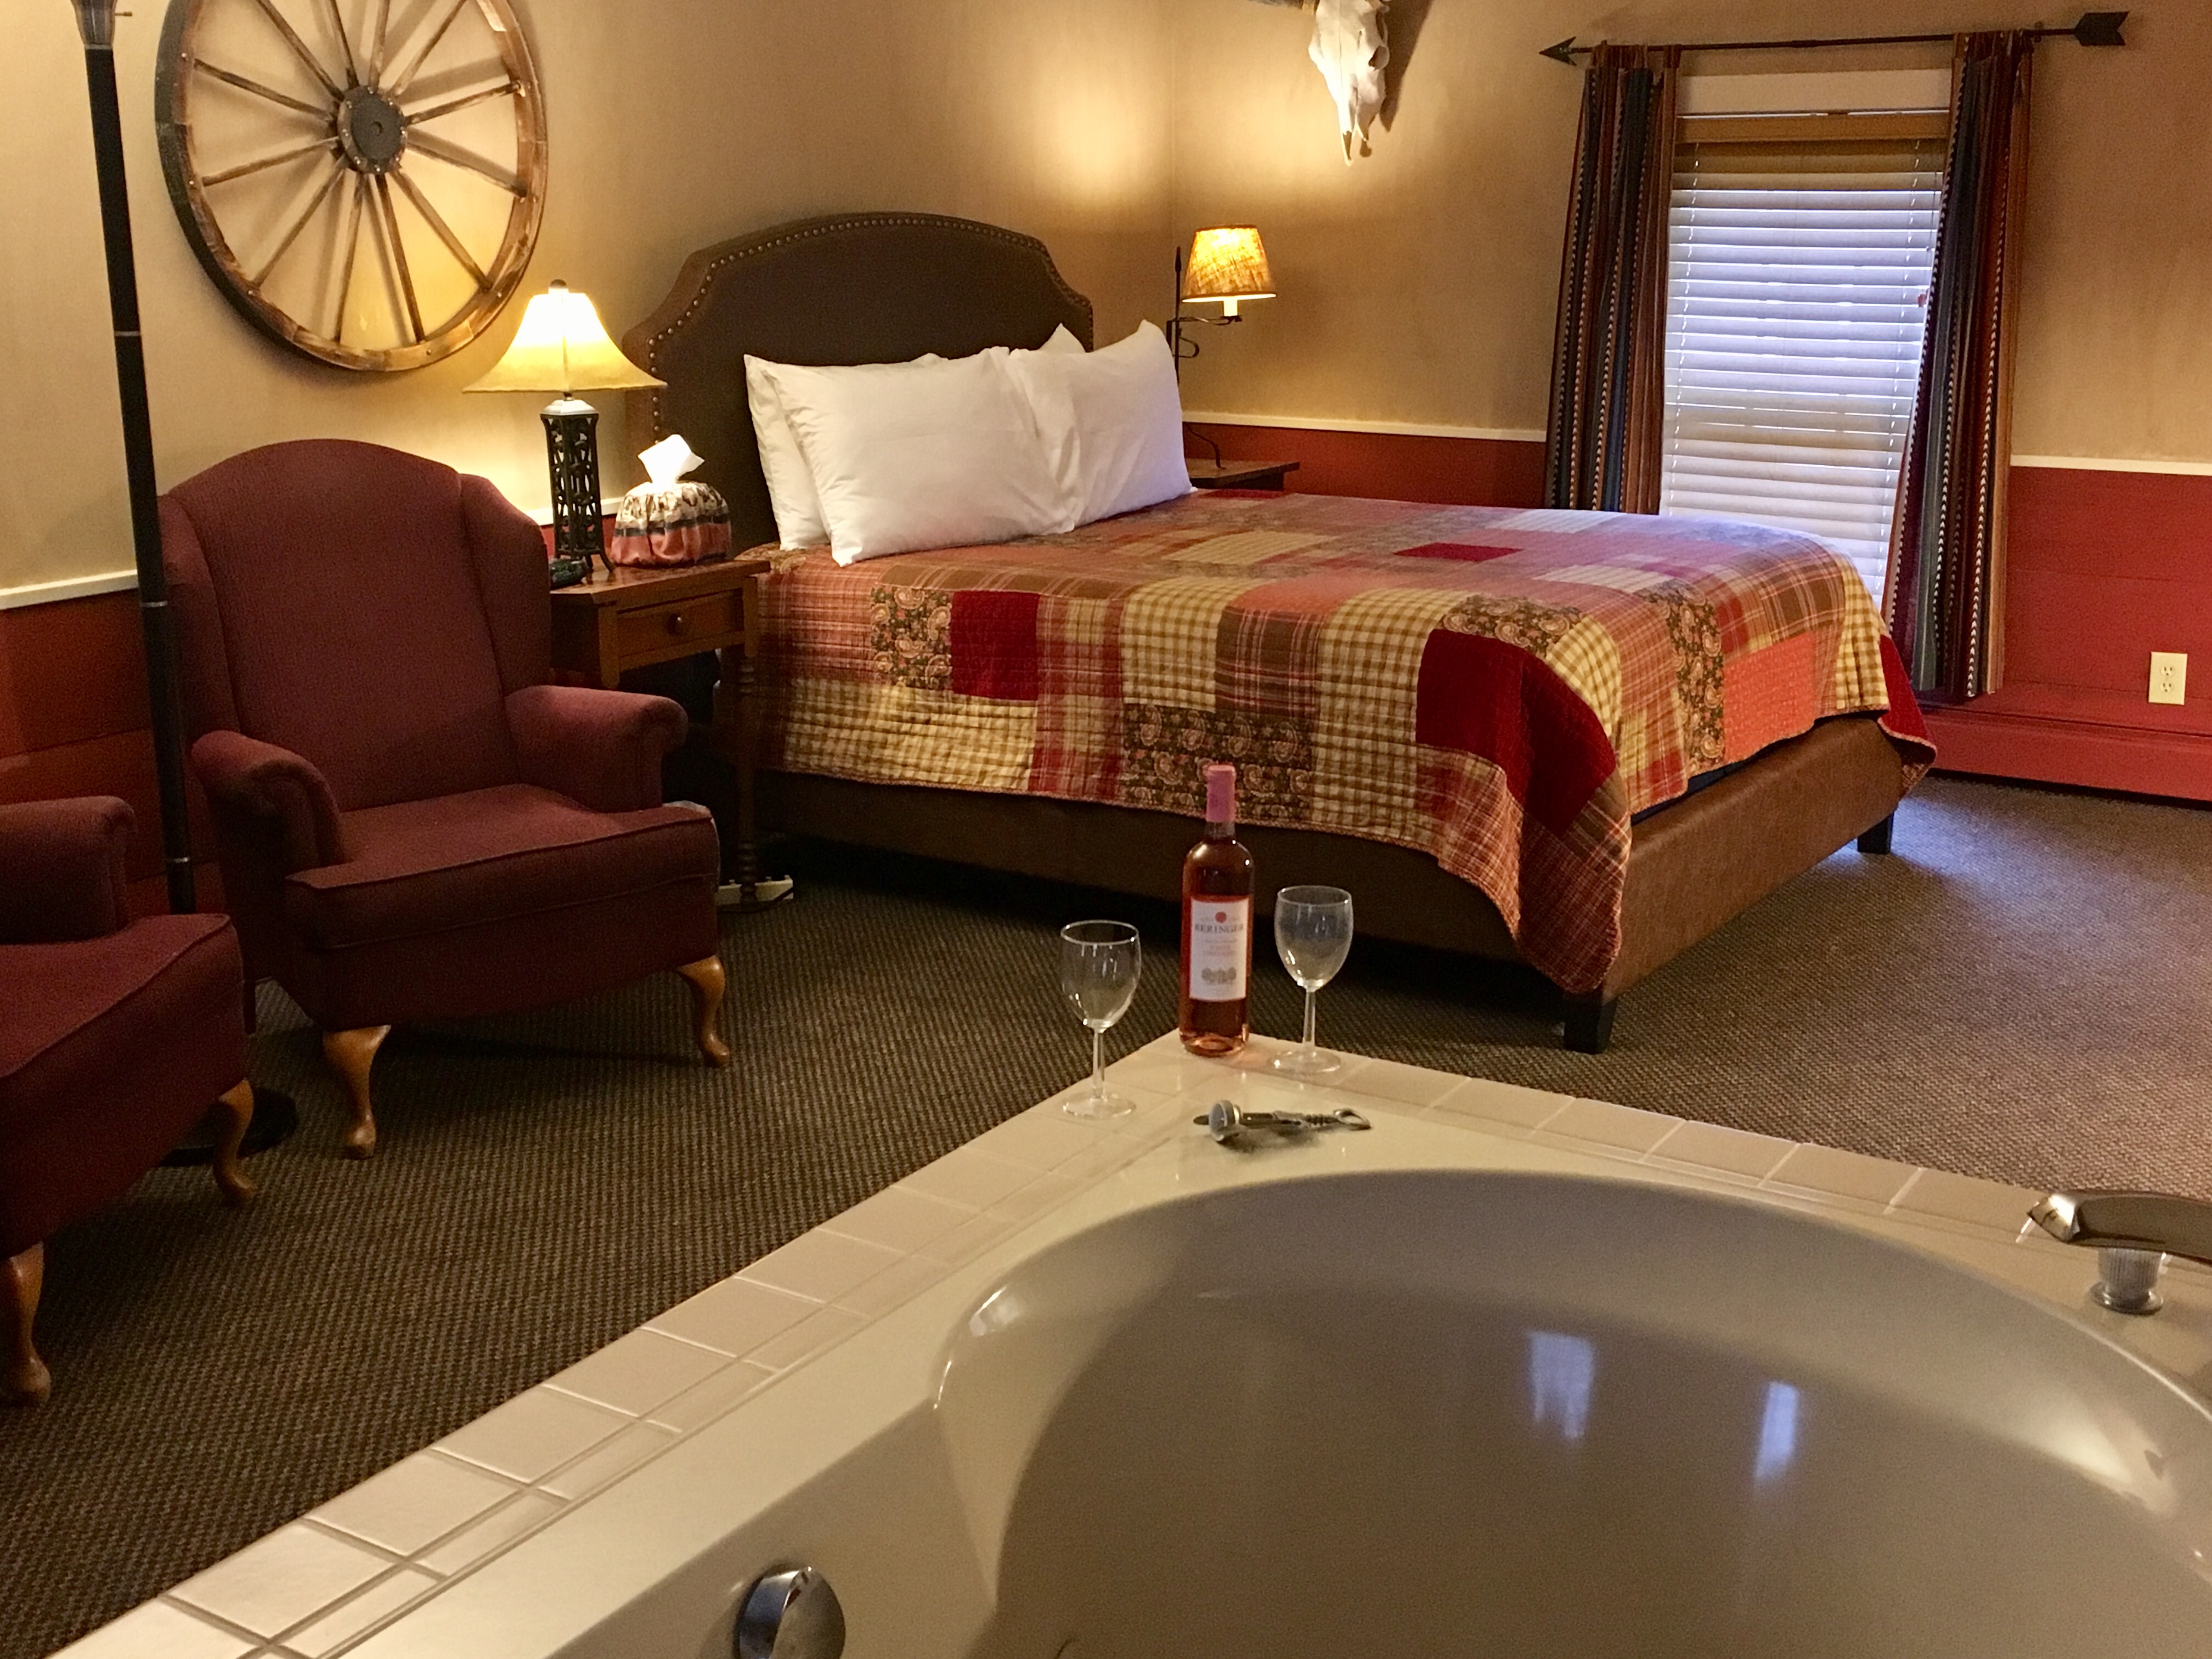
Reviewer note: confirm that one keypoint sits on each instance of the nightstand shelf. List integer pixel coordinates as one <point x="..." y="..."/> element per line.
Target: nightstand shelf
<point x="1239" y="475"/>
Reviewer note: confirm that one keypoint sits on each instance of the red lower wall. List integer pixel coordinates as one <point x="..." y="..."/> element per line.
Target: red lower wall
<point x="73" y="718"/>
<point x="1462" y="471"/>
<point x="2106" y="569"/>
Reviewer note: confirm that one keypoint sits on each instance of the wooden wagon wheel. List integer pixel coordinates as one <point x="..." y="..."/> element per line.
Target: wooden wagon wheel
<point x="363" y="178"/>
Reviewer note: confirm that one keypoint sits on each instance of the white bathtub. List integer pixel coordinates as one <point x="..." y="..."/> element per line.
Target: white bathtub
<point x="1449" y="1388"/>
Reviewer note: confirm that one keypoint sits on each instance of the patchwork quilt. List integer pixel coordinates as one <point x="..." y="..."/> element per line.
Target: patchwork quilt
<point x="1503" y="688"/>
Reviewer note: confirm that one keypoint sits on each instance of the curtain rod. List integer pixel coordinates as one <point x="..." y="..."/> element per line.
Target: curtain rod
<point x="2096" y="28"/>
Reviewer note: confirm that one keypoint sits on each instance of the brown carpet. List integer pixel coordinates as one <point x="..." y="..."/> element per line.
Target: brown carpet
<point x="2021" y="993"/>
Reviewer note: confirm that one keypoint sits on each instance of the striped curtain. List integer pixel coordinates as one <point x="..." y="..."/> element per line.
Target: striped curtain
<point x="1603" y="445"/>
<point x="1944" y="596"/>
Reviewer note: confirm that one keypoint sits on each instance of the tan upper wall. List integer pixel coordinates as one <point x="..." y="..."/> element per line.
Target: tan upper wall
<point x="1420" y="285"/>
<point x="670" y="126"/>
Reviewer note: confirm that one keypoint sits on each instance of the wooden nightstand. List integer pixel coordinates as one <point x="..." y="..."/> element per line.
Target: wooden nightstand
<point x="1239" y="475"/>
<point x="641" y="615"/>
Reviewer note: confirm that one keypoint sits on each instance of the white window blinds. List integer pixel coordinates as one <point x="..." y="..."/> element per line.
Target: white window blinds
<point x="1797" y="286"/>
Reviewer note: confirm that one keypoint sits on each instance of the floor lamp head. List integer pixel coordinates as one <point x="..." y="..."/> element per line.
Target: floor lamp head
<point x="95" y="22"/>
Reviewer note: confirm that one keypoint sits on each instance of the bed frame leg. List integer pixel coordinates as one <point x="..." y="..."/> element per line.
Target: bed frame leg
<point x="1590" y="1022"/>
<point x="1876" y="840"/>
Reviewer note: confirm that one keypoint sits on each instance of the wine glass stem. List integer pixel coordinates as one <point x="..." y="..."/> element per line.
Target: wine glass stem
<point x="1309" y="1022"/>
<point x="1098" y="1064"/>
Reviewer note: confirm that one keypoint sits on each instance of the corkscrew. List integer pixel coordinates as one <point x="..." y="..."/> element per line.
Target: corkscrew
<point x="1224" y="1121"/>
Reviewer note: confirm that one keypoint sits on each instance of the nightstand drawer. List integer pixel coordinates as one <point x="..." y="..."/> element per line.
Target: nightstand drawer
<point x="709" y="618"/>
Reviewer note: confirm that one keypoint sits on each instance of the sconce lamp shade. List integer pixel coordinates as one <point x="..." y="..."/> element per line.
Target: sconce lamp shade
<point x="1228" y="264"/>
<point x="562" y="348"/>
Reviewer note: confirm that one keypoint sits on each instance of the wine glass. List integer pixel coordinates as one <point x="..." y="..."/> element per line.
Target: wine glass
<point x="1313" y="936"/>
<point x="1098" y="965"/>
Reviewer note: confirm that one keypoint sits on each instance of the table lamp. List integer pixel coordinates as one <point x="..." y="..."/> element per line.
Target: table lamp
<point x="561" y="347"/>
<point x="1228" y="265"/>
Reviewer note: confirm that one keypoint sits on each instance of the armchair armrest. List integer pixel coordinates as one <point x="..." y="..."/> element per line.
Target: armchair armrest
<point x="245" y="775"/>
<point x="601" y="749"/>
<point x="63" y="863"/>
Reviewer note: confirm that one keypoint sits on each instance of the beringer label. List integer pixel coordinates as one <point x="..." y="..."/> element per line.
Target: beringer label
<point x="1219" y="928"/>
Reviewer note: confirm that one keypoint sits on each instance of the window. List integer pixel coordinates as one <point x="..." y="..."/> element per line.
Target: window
<point x="1800" y="250"/>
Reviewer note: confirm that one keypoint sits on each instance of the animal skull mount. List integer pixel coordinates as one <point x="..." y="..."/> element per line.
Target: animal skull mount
<point x="1350" y="52"/>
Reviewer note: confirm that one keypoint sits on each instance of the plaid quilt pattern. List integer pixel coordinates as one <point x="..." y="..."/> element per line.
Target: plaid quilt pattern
<point x="1502" y="688"/>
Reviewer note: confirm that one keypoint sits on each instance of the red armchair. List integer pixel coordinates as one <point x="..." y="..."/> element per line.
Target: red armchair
<point x="115" y="1036"/>
<point x="413" y="823"/>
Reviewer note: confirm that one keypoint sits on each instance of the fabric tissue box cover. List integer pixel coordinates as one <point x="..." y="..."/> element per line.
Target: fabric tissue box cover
<point x="669" y="520"/>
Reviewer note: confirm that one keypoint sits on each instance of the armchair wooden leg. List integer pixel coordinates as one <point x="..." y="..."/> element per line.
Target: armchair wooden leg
<point x="237" y="1108"/>
<point x="26" y="1380"/>
<point x="350" y="1053"/>
<point x="707" y="983"/>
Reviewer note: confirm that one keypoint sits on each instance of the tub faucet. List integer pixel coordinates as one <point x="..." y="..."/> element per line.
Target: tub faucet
<point x="2133" y="1233"/>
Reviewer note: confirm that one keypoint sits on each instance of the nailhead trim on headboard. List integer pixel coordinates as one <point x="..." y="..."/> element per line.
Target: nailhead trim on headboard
<point x="695" y="281"/>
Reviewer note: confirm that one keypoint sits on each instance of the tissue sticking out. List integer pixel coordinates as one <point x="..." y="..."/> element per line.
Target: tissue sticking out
<point x="670" y="459"/>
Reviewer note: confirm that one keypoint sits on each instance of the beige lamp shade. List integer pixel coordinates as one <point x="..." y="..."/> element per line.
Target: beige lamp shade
<point x="1228" y="264"/>
<point x="562" y="347"/>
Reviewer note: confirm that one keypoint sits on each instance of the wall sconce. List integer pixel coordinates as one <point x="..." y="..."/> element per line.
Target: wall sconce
<point x="1228" y="265"/>
<point x="562" y="348"/>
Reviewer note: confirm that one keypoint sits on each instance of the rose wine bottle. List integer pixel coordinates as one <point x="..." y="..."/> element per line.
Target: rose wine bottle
<point x="1217" y="927"/>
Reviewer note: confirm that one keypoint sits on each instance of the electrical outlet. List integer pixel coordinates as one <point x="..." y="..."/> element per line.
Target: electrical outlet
<point x="2169" y="676"/>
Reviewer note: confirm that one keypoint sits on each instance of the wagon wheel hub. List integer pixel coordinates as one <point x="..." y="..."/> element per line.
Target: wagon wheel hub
<point x="371" y="130"/>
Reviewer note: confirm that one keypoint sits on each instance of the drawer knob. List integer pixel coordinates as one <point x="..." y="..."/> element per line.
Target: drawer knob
<point x="675" y="623"/>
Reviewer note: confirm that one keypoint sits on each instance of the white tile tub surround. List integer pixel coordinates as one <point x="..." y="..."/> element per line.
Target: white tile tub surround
<point x="293" y="1575"/>
<point x="160" y="1628"/>
<point x="634" y="1373"/>
<point x="415" y="1502"/>
<point x="520" y="1516"/>
<point x="533" y="1434"/>
<point x="383" y="1568"/>
<point x="336" y="1629"/>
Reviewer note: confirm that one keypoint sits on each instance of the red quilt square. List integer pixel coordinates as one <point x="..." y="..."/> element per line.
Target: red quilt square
<point x="1466" y="552"/>
<point x="1483" y="696"/>
<point x="993" y="639"/>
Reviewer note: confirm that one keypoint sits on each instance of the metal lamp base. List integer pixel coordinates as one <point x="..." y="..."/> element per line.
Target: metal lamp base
<point x="572" y="458"/>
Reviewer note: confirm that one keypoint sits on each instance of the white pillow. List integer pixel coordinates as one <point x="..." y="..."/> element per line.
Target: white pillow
<point x="1112" y="423"/>
<point x="919" y="455"/>
<point x="790" y="493"/>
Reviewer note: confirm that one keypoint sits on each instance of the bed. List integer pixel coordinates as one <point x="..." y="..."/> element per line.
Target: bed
<point x="1579" y="741"/>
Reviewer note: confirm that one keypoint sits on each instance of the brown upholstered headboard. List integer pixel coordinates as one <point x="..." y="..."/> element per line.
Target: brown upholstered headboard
<point x="859" y="288"/>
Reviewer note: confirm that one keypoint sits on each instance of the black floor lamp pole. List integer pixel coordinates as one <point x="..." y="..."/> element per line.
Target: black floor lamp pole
<point x="95" y="22"/>
<point x="274" y="1116"/>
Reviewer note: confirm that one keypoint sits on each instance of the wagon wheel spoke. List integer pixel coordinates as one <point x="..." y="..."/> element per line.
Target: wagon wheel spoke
<point x="376" y="40"/>
<point x="397" y="252"/>
<point x="268" y="162"/>
<point x="352" y="243"/>
<point x="453" y="155"/>
<point x="401" y="81"/>
<point x="432" y="217"/>
<point x="233" y="78"/>
<point x="299" y="47"/>
<point x="462" y="102"/>
<point x="299" y="225"/>
<point x="346" y="43"/>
